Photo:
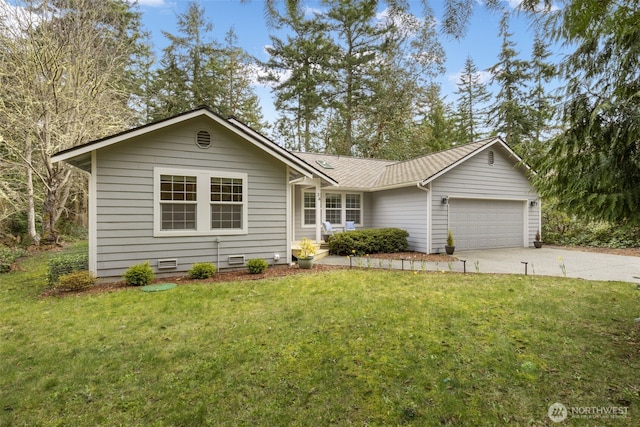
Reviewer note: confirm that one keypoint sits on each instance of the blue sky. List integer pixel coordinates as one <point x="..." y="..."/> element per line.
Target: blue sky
<point x="247" y="19"/>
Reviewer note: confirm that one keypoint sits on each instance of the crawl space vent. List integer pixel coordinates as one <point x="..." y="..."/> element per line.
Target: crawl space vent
<point x="164" y="264"/>
<point x="236" y="259"/>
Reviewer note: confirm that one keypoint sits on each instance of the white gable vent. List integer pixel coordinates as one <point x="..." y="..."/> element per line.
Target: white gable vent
<point x="203" y="139"/>
<point x="491" y="158"/>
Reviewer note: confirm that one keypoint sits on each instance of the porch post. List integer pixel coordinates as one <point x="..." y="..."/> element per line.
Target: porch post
<point x="318" y="210"/>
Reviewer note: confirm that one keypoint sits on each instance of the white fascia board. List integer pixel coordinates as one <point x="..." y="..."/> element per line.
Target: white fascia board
<point x="496" y="140"/>
<point x="143" y="130"/>
<point x="232" y="125"/>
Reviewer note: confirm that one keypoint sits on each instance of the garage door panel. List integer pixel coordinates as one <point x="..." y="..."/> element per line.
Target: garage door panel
<point x="482" y="224"/>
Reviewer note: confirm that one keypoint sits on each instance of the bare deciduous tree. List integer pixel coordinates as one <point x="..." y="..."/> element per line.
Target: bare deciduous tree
<point x="63" y="71"/>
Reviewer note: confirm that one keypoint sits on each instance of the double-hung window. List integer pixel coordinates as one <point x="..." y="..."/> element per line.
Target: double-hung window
<point x="341" y="207"/>
<point x="309" y="208"/>
<point x="353" y="206"/>
<point x="226" y="203"/>
<point x="178" y="202"/>
<point x="333" y="208"/>
<point x="198" y="202"/>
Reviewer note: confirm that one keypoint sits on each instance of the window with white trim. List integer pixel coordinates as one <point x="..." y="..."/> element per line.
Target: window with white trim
<point x="178" y="202"/>
<point x="341" y="207"/>
<point x="309" y="208"/>
<point x="226" y="203"/>
<point x="353" y="207"/>
<point x="333" y="208"/>
<point x="199" y="202"/>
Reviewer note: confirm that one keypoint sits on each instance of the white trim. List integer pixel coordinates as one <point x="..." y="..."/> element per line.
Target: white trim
<point x="232" y="125"/>
<point x="343" y="207"/>
<point x="496" y="140"/>
<point x="302" y="207"/>
<point x="93" y="215"/>
<point x="525" y="225"/>
<point x="464" y="196"/>
<point x="289" y="200"/>
<point x="203" y="215"/>
<point x="430" y="220"/>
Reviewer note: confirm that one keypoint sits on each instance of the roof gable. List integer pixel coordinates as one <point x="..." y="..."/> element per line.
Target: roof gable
<point x="375" y="175"/>
<point x="80" y="156"/>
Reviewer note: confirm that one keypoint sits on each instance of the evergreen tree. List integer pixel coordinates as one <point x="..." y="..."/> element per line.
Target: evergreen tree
<point x="189" y="67"/>
<point x="509" y="114"/>
<point x="361" y="41"/>
<point x="542" y="104"/>
<point x="401" y="89"/>
<point x="472" y="99"/>
<point x="298" y="70"/>
<point x="593" y="166"/>
<point x="237" y="97"/>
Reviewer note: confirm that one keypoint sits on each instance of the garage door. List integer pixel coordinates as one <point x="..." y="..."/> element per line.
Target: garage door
<point x="481" y="224"/>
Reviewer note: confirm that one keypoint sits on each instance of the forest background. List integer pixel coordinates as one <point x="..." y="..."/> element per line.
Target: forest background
<point x="360" y="78"/>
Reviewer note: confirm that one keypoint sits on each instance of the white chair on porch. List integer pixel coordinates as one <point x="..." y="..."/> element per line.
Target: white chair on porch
<point x="327" y="230"/>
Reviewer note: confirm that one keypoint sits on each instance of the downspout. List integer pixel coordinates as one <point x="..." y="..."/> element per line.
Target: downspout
<point x="428" y="190"/>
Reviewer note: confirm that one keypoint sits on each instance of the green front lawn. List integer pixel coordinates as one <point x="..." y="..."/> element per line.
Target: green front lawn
<point x="337" y="348"/>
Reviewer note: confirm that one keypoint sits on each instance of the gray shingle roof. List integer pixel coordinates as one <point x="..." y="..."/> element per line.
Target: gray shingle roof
<point x="353" y="172"/>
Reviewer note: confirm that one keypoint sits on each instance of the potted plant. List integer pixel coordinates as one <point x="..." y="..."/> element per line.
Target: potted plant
<point x="537" y="242"/>
<point x="307" y="251"/>
<point x="449" y="247"/>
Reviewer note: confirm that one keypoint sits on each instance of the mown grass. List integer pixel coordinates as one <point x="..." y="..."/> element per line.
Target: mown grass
<point x="338" y="348"/>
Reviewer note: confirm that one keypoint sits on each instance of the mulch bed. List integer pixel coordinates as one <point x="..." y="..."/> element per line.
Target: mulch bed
<point x="286" y="270"/>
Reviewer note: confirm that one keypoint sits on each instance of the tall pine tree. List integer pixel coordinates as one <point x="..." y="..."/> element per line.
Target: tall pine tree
<point x="509" y="115"/>
<point x="298" y="70"/>
<point x="472" y="100"/>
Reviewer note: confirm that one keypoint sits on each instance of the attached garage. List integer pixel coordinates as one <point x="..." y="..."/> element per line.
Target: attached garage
<point x="484" y="224"/>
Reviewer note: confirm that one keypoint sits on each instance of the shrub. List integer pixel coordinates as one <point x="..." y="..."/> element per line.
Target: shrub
<point x="8" y="257"/>
<point x="66" y="264"/>
<point x="561" y="228"/>
<point x="139" y="275"/>
<point x="450" y="241"/>
<point x="75" y="281"/>
<point x="202" y="270"/>
<point x="369" y="241"/>
<point x="257" y="266"/>
<point x="307" y="249"/>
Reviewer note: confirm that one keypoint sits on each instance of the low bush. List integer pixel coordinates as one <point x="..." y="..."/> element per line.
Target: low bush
<point x="8" y="257"/>
<point x="139" y="275"/>
<point x="75" y="281"/>
<point x="257" y="266"/>
<point x="66" y="264"/>
<point x="561" y="228"/>
<point x="202" y="270"/>
<point x="369" y="241"/>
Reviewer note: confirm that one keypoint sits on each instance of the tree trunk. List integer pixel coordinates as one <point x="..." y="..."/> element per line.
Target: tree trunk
<point x="31" y="210"/>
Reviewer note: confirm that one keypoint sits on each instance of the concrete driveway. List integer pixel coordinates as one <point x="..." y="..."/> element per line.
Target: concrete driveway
<point x="544" y="261"/>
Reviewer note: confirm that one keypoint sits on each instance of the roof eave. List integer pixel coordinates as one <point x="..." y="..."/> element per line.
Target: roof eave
<point x="232" y="125"/>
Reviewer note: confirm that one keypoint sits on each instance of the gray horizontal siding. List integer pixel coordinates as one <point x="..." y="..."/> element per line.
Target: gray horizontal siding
<point x="125" y="200"/>
<point x="475" y="178"/>
<point x="404" y="208"/>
